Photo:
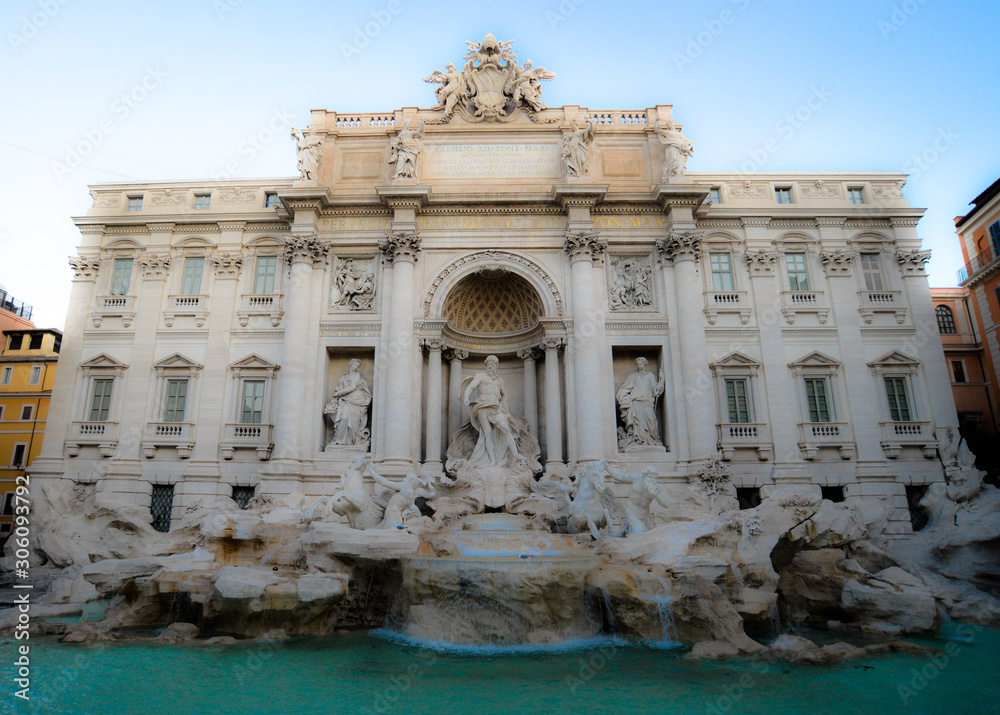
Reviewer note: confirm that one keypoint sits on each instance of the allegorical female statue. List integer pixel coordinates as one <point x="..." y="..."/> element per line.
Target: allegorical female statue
<point x="404" y="150"/>
<point x="637" y="404"/>
<point x="310" y="150"/>
<point x="347" y="410"/>
<point x="677" y="147"/>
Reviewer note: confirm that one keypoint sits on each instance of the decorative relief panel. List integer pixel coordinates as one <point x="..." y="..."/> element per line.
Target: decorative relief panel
<point x="354" y="283"/>
<point x="168" y="197"/>
<point x="630" y="283"/>
<point x="888" y="191"/>
<point x="820" y="190"/>
<point x="106" y="200"/>
<point x="237" y="195"/>
<point x="747" y="190"/>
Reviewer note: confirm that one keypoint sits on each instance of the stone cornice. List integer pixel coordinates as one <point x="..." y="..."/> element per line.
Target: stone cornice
<point x="682" y="195"/>
<point x="831" y="221"/>
<point x="755" y="221"/>
<point x="413" y="196"/>
<point x="579" y="195"/>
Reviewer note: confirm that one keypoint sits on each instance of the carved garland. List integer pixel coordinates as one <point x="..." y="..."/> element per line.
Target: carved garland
<point x="497" y="257"/>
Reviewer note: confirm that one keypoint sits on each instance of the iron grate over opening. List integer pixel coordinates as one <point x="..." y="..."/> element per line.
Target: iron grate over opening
<point x="162" y="505"/>
<point x="243" y="495"/>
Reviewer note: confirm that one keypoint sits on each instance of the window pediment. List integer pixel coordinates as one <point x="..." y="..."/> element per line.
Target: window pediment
<point x="104" y="361"/>
<point x="735" y="360"/>
<point x="815" y="359"/>
<point x="895" y="359"/>
<point x="177" y="362"/>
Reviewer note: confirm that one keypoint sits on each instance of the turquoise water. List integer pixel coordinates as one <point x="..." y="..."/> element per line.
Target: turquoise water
<point x="365" y="673"/>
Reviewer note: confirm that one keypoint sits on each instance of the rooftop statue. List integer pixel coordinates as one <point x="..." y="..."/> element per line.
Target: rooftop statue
<point x="492" y="85"/>
<point x="678" y="148"/>
<point x="404" y="150"/>
<point x="310" y="150"/>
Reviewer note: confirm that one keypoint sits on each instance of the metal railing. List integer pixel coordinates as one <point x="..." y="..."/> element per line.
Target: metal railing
<point x="15" y="306"/>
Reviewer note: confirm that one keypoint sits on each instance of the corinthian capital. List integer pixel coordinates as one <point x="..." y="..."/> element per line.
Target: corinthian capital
<point x="913" y="263"/>
<point x="836" y="263"/>
<point x="584" y="246"/>
<point x="85" y="269"/>
<point x="306" y="249"/>
<point x="680" y="246"/>
<point x="400" y="246"/>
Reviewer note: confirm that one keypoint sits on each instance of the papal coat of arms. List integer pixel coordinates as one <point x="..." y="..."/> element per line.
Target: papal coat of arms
<point x="492" y="86"/>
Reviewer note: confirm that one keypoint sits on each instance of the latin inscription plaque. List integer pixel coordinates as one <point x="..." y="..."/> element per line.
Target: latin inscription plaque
<point x="492" y="161"/>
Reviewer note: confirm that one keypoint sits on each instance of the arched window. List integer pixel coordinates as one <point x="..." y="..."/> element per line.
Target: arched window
<point x="945" y="320"/>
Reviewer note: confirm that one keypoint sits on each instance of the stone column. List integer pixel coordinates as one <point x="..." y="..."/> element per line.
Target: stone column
<point x="432" y="457"/>
<point x="683" y="249"/>
<point x="588" y="325"/>
<point x="530" y="390"/>
<point x="301" y="252"/>
<point x="553" y="402"/>
<point x="455" y="391"/>
<point x="402" y="249"/>
<point x="928" y="343"/>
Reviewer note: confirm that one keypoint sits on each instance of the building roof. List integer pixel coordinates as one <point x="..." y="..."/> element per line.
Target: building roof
<point x="979" y="202"/>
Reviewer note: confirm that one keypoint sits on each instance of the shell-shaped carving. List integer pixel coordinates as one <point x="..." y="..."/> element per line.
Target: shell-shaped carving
<point x="493" y="301"/>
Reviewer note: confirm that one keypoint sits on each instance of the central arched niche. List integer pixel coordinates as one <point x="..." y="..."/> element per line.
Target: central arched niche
<point x="493" y="301"/>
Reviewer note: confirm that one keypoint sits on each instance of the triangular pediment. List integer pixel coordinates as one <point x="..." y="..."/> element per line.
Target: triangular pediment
<point x="254" y="361"/>
<point x="895" y="359"/>
<point x="176" y="361"/>
<point x="103" y="360"/>
<point x="815" y="359"/>
<point x="736" y="359"/>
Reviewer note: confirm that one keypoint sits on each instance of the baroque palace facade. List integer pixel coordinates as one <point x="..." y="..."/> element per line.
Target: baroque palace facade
<point x="231" y="338"/>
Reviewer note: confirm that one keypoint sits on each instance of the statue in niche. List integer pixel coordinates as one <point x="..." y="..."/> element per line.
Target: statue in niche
<point x="637" y="405"/>
<point x="496" y="446"/>
<point x="630" y="283"/>
<point x="643" y="492"/>
<point x="404" y="150"/>
<point x="678" y="148"/>
<point x="401" y="503"/>
<point x="355" y="282"/>
<point x="310" y="154"/>
<point x="574" y="149"/>
<point x="347" y="410"/>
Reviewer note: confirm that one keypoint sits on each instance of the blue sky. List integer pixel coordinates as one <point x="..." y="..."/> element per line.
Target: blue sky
<point x="902" y="80"/>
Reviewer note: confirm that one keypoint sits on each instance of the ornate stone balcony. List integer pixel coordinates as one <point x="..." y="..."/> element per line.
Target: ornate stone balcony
<point x="726" y="302"/>
<point x="114" y="306"/>
<point x="804" y="301"/>
<point x="881" y="301"/>
<point x="247" y="436"/>
<point x="195" y="306"/>
<point x="168" y="434"/>
<point x="896" y="435"/>
<point x="103" y="435"/>
<point x="815" y="435"/>
<point x="267" y="305"/>
<point x="745" y="435"/>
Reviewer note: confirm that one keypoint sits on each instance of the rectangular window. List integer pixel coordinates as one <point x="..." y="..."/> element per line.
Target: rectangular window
<point x="243" y="495"/>
<point x="872" y="271"/>
<point x="264" y="273"/>
<point x="738" y="400"/>
<point x="191" y="280"/>
<point x="176" y="401"/>
<point x="135" y="203"/>
<point x="798" y="276"/>
<point x="100" y="400"/>
<point x="715" y="195"/>
<point x="27" y="411"/>
<point x="121" y="277"/>
<point x="253" y="402"/>
<point x="722" y="272"/>
<point x="8" y="504"/>
<point x="36" y="375"/>
<point x="958" y="371"/>
<point x="818" y="399"/>
<point x="202" y="201"/>
<point x="783" y="195"/>
<point x="271" y="201"/>
<point x="20" y="450"/>
<point x="995" y="237"/>
<point x="899" y="400"/>
<point x="856" y="195"/>
<point x="5" y="379"/>
<point x="36" y="342"/>
<point x="161" y="506"/>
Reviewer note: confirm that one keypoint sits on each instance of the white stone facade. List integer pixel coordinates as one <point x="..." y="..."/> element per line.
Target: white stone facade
<point x="780" y="328"/>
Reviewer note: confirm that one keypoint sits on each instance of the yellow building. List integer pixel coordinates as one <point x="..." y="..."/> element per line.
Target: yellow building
<point x="27" y="371"/>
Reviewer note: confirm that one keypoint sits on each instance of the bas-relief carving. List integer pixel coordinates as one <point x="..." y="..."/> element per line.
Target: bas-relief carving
<point x="637" y="405"/>
<point x="747" y="190"/>
<point x="820" y="190"/>
<point x="574" y="149"/>
<point x="310" y="151"/>
<point x="888" y="191"/>
<point x="677" y="149"/>
<point x="491" y="86"/>
<point x="347" y="411"/>
<point x="167" y="197"/>
<point x="106" y="200"/>
<point x="630" y="282"/>
<point x="404" y="149"/>
<point x="237" y="195"/>
<point x="354" y="284"/>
